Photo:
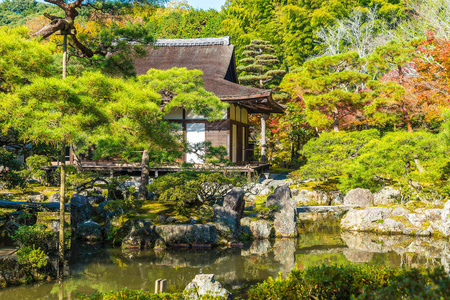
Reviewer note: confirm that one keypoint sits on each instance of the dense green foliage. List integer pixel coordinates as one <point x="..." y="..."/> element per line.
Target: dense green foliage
<point x="329" y="153"/>
<point x="396" y="158"/>
<point x="22" y="58"/>
<point x="18" y="12"/>
<point x="35" y="237"/>
<point x="366" y="159"/>
<point x="126" y="294"/>
<point x="9" y="169"/>
<point x="290" y="25"/>
<point x="355" y="282"/>
<point x="260" y="67"/>
<point x="331" y="88"/>
<point x="191" y="188"/>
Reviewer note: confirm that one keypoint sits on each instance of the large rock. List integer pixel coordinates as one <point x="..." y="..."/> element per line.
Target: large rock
<point x="55" y="198"/>
<point x="359" y="197"/>
<point x="386" y="196"/>
<point x="227" y="221"/>
<point x="337" y="198"/>
<point x="187" y="234"/>
<point x="446" y="219"/>
<point x="80" y="210"/>
<point x="37" y="198"/>
<point x="234" y="200"/>
<point x="259" y="229"/>
<point x="89" y="231"/>
<point x="285" y="220"/>
<point x="280" y="196"/>
<point x="139" y="237"/>
<point x="400" y="211"/>
<point x="365" y="219"/>
<point x="304" y="197"/>
<point x="205" y="284"/>
<point x="391" y="226"/>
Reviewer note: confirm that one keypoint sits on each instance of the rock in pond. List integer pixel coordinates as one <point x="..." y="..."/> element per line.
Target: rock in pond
<point x="146" y="236"/>
<point x="365" y="219"/>
<point x="285" y="222"/>
<point x="259" y="229"/>
<point x="227" y="221"/>
<point x="198" y="234"/>
<point x="205" y="284"/>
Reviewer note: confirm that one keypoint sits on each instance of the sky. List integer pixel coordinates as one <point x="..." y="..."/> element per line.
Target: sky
<point x="206" y="4"/>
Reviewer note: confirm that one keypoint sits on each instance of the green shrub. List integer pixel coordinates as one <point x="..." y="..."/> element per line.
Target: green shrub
<point x="36" y="165"/>
<point x="412" y="284"/>
<point x="31" y="257"/>
<point x="397" y="158"/>
<point x="36" y="236"/>
<point x="190" y="188"/>
<point x="328" y="153"/>
<point x="353" y="281"/>
<point x="9" y="169"/>
<point x="322" y="282"/>
<point x="126" y="294"/>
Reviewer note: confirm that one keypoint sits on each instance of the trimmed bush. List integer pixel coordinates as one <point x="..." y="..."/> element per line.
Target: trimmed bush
<point x="353" y="281"/>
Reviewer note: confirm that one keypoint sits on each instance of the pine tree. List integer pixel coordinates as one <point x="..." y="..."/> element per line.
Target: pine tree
<point x="259" y="66"/>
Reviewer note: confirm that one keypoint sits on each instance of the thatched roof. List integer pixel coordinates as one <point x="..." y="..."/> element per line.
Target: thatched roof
<point x="215" y="57"/>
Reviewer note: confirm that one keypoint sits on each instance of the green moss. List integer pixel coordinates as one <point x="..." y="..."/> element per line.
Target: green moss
<point x="412" y="205"/>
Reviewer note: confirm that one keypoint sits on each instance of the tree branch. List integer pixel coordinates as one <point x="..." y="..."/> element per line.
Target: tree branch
<point x="85" y="50"/>
<point x="49" y="29"/>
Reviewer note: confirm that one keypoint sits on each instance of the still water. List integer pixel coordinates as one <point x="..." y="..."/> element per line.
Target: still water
<point x="105" y="269"/>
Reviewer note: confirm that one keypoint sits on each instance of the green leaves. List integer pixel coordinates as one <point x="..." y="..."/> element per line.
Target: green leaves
<point x="396" y="157"/>
<point x="259" y="68"/>
<point x="328" y="154"/>
<point x="22" y="59"/>
<point x="331" y="88"/>
<point x="53" y="111"/>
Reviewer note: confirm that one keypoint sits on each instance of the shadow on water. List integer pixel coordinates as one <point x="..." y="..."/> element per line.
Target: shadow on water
<point x="94" y="268"/>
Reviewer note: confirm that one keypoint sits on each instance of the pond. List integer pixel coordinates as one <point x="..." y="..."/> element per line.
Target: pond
<point x="103" y="269"/>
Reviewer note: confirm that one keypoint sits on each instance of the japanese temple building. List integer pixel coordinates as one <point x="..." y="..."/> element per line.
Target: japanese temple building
<point x="215" y="57"/>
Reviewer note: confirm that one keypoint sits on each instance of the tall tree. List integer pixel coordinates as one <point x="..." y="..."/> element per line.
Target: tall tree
<point x="260" y="66"/>
<point x="55" y="112"/>
<point x="431" y="84"/>
<point x="331" y="87"/>
<point x="405" y="94"/>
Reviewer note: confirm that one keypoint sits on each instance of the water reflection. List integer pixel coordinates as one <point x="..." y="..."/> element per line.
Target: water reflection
<point x="95" y="268"/>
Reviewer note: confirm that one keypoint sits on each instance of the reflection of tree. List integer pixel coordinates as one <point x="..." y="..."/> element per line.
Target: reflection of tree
<point x="311" y="260"/>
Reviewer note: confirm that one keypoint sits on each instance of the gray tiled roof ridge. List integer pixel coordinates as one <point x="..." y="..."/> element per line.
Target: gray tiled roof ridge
<point x="224" y="40"/>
